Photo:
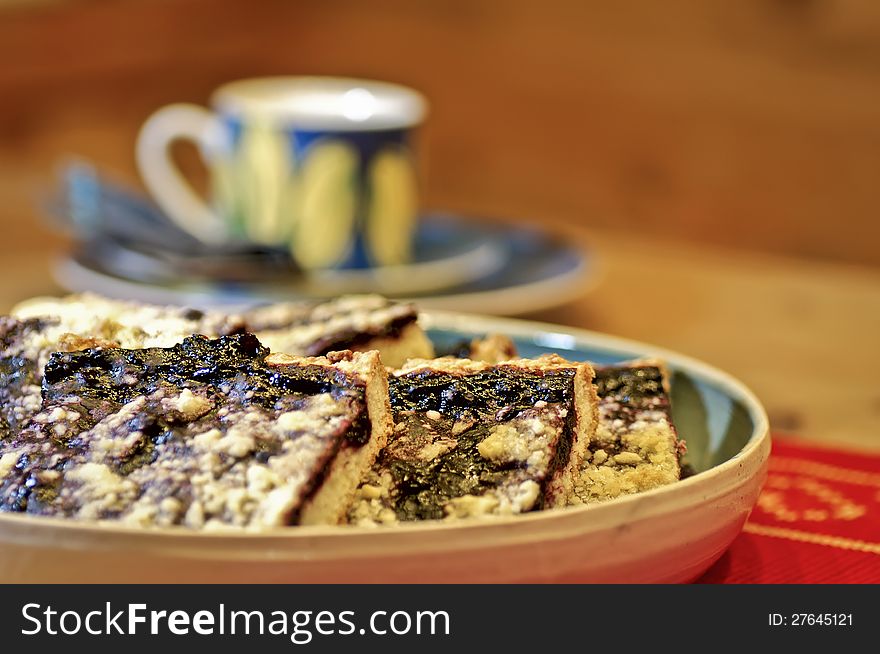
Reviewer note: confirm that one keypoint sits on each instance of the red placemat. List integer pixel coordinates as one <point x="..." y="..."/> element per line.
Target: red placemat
<point x="817" y="521"/>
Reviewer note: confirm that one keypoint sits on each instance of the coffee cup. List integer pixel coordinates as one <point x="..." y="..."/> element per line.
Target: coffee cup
<point x="322" y="166"/>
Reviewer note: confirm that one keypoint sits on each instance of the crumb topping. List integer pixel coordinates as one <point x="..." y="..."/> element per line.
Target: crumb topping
<point x="636" y="447"/>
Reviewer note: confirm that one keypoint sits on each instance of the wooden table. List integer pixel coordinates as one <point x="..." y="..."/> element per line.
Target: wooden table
<point x="804" y="336"/>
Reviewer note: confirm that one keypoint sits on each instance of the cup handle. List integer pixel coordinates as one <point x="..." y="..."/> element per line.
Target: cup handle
<point x="164" y="181"/>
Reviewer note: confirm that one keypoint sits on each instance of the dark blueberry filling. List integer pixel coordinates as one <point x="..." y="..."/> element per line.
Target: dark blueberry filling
<point x="424" y="487"/>
<point x="563" y="447"/>
<point x="230" y="367"/>
<point x="625" y="391"/>
<point x="486" y="392"/>
<point x="120" y="376"/>
<point x="16" y="370"/>
<point x="491" y="397"/>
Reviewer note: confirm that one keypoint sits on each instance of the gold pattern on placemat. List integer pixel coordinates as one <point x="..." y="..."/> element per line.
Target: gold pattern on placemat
<point x="824" y="471"/>
<point x="832" y="504"/>
<point x="816" y="539"/>
<point x="803" y="492"/>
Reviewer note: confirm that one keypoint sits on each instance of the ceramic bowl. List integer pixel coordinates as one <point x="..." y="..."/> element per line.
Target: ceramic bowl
<point x="669" y="534"/>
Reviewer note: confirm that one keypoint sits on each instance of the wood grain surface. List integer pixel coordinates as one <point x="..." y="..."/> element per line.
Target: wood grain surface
<point x="753" y="124"/>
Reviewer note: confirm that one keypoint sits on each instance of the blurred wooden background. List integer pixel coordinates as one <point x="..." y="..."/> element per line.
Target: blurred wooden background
<point x="750" y="123"/>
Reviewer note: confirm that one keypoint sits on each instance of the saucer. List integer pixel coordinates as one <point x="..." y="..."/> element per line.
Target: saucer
<point x="448" y="252"/>
<point x="501" y="269"/>
<point x="122" y="233"/>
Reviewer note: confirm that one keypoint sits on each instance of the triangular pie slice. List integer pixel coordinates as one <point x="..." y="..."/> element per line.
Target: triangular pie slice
<point x="204" y="434"/>
<point x="636" y="447"/>
<point x="476" y="439"/>
<point x="352" y="322"/>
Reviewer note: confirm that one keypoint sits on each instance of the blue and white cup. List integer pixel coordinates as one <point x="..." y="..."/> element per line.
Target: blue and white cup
<point x="321" y="165"/>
